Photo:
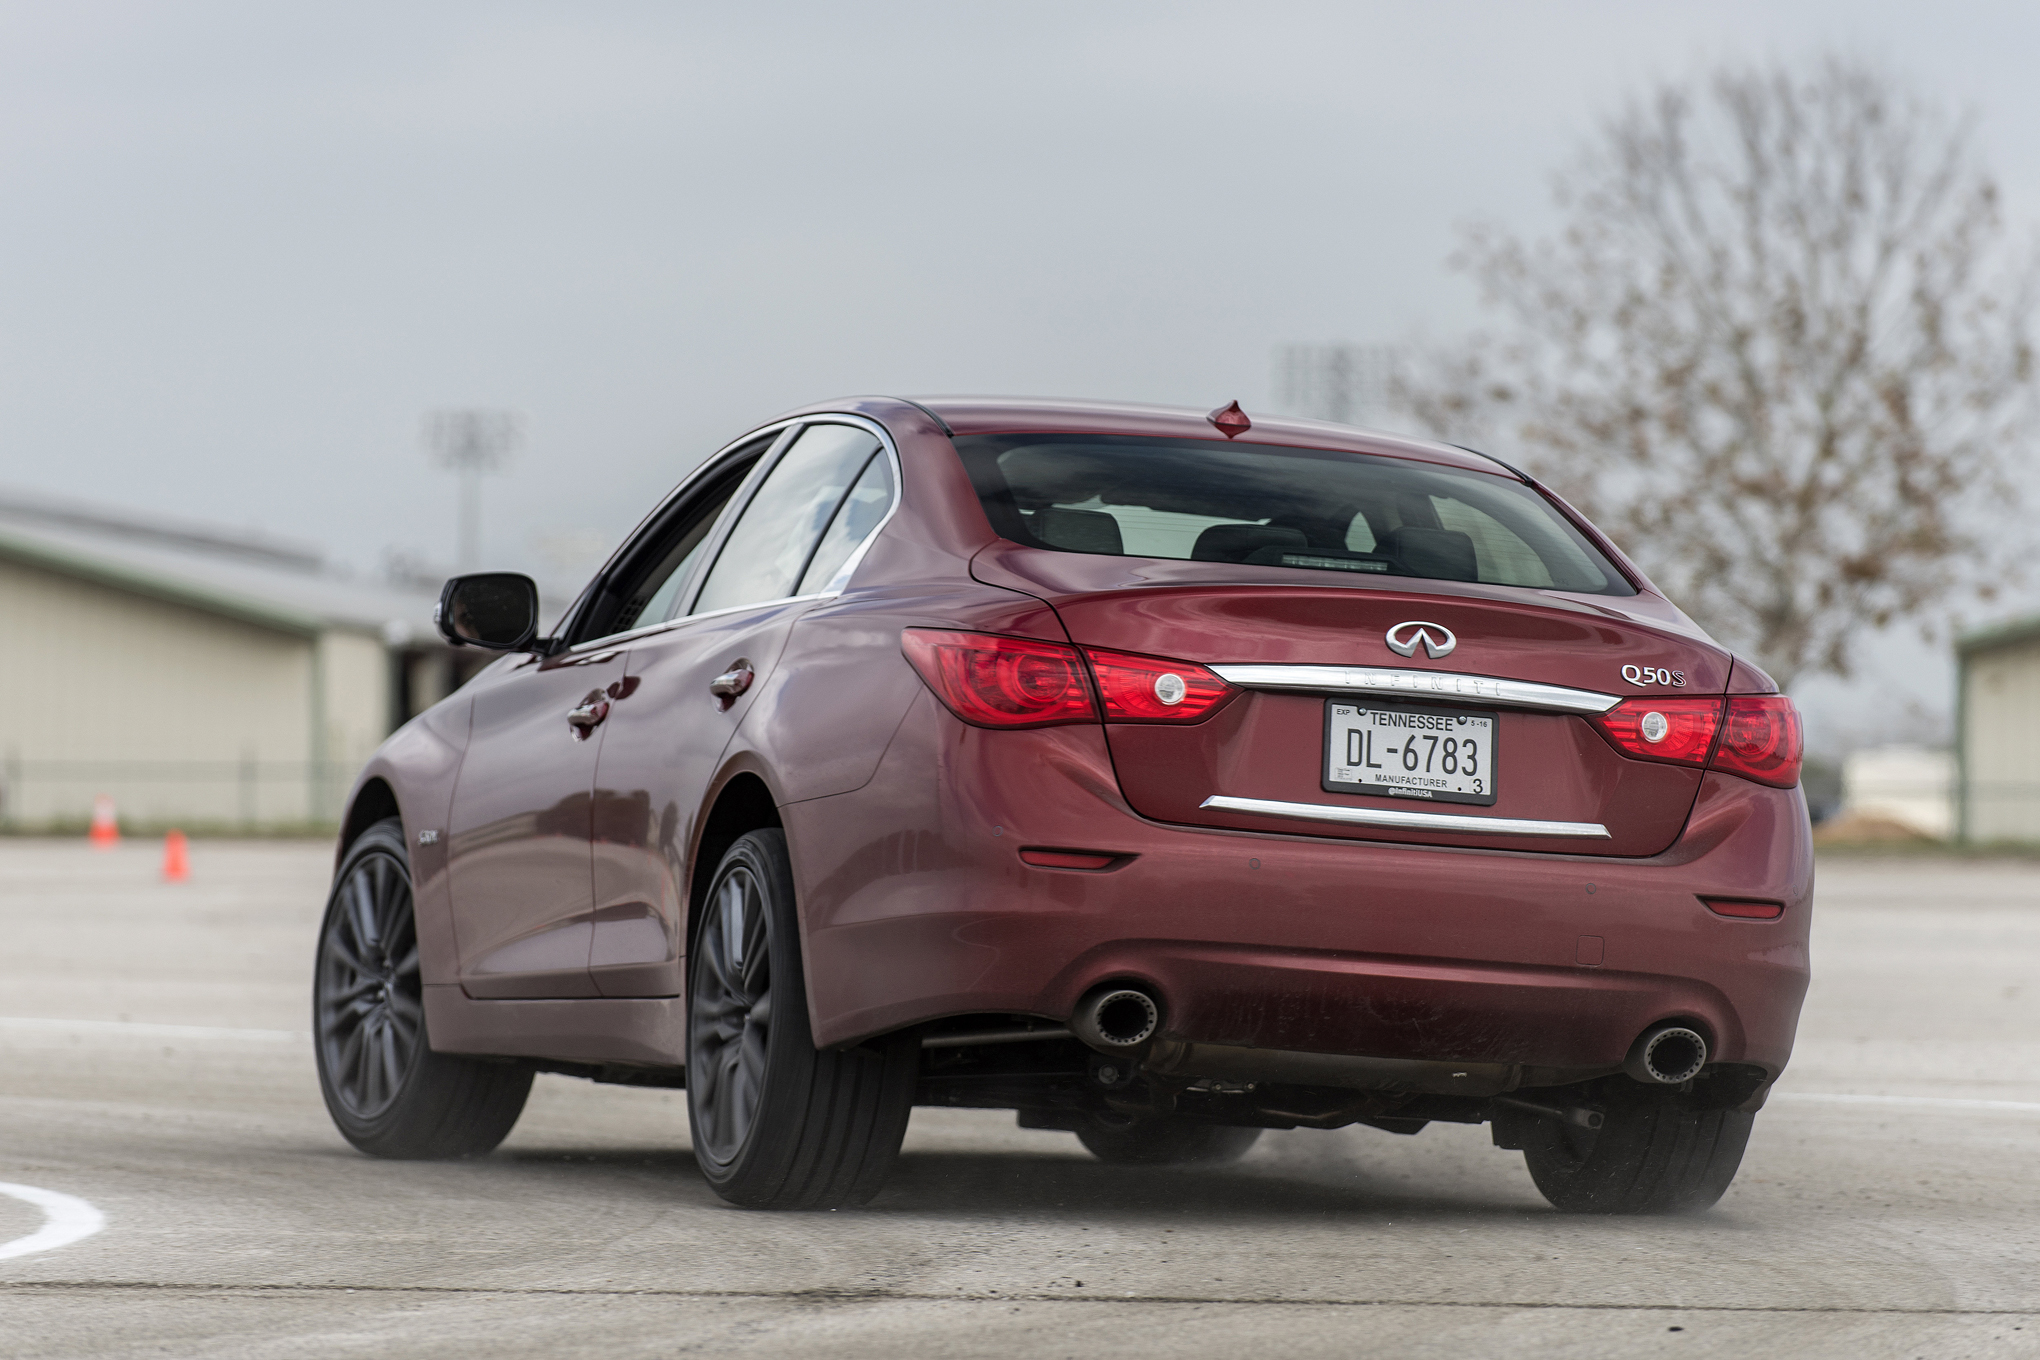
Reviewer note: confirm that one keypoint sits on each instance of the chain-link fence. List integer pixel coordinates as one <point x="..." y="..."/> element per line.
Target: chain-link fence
<point x="245" y="795"/>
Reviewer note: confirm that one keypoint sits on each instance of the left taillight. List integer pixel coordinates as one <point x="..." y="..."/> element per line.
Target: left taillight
<point x="997" y="681"/>
<point x="1154" y="689"/>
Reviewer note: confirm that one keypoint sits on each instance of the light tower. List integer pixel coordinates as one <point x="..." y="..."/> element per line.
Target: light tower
<point x="472" y="443"/>
<point x="1349" y="384"/>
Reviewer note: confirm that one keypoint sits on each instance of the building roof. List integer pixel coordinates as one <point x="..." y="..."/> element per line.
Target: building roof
<point x="2010" y="633"/>
<point x="267" y="581"/>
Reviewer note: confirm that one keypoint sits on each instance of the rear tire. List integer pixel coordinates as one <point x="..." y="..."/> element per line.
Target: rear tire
<point x="1164" y="1140"/>
<point x="776" y="1123"/>
<point x="389" y="1094"/>
<point x="1656" y="1153"/>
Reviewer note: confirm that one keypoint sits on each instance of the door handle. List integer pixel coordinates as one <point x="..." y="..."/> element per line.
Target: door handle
<point x="732" y="682"/>
<point x="589" y="714"/>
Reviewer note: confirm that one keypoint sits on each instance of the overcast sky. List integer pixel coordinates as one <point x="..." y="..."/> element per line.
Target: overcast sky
<point x="245" y="247"/>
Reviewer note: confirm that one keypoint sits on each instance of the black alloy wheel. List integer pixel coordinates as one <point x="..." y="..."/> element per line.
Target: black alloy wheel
<point x="388" y="1093"/>
<point x="371" y="999"/>
<point x="778" y="1124"/>
<point x="731" y="1015"/>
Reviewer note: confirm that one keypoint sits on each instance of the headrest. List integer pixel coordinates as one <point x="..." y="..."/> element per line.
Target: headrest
<point x="1232" y="542"/>
<point x="1442" y="554"/>
<point x="1087" y="531"/>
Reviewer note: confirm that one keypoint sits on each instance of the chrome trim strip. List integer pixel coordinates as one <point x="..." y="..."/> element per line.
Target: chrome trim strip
<point x="1408" y="821"/>
<point x="1447" y="686"/>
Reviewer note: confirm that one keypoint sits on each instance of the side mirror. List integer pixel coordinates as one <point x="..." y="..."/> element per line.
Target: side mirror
<point x="493" y="609"/>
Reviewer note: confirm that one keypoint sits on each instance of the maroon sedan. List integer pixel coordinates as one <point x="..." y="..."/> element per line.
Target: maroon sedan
<point x="1162" y="777"/>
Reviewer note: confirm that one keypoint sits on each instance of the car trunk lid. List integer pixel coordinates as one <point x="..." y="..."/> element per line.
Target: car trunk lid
<point x="1521" y="676"/>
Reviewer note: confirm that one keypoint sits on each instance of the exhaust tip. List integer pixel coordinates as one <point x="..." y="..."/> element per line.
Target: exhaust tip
<point x="1666" y="1055"/>
<point x="1114" y="1019"/>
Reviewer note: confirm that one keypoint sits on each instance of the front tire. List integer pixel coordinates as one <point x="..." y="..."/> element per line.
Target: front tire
<point x="1164" y="1140"/>
<point x="776" y="1123"/>
<point x="1656" y="1152"/>
<point x="389" y="1094"/>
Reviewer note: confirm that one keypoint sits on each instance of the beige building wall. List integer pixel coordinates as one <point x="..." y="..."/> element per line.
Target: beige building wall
<point x="2001" y="742"/>
<point x="178" y="713"/>
<point x="354" y="712"/>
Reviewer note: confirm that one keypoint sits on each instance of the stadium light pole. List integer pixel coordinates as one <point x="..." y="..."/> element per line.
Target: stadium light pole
<point x="472" y="443"/>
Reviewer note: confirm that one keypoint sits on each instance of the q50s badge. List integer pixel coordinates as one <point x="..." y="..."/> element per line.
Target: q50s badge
<point x="1651" y="675"/>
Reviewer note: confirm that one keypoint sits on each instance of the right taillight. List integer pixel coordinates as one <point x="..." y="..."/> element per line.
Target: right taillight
<point x="995" y="681"/>
<point x="1760" y="740"/>
<point x="1752" y="735"/>
<point x="1680" y="731"/>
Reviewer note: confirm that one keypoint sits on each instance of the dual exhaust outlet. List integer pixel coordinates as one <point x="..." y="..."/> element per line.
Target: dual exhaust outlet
<point x="1118" y="1019"/>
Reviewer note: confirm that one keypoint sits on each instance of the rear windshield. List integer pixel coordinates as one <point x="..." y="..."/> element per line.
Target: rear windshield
<point x="1260" y="505"/>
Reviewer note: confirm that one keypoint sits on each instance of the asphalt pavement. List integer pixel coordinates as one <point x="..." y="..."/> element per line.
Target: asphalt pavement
<point x="155" y="1078"/>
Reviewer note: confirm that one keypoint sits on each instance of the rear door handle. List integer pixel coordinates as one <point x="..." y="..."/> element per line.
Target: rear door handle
<point x="588" y="715"/>
<point x="732" y="682"/>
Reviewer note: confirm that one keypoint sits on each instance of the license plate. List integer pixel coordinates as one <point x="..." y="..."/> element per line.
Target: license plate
<point x="1444" y="755"/>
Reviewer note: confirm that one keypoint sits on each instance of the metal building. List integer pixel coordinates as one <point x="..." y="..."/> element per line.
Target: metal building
<point x="201" y="677"/>
<point x="1997" y="733"/>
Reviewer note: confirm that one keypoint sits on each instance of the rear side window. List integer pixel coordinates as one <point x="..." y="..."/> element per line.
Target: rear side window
<point x="769" y="550"/>
<point x="1264" y="505"/>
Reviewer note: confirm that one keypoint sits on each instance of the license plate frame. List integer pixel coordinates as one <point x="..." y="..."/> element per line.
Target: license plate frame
<point x="1376" y="723"/>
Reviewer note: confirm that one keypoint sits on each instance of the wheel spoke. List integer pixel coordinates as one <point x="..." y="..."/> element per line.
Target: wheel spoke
<point x="361" y="912"/>
<point x="757" y="969"/>
<point x="391" y="1057"/>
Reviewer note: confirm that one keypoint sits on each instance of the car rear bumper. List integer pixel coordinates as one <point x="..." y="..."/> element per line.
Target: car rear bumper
<point x="917" y="905"/>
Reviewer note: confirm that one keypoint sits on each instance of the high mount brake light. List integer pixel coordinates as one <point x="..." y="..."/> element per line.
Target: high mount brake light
<point x="1677" y="731"/>
<point x="1002" y="681"/>
<point x="1759" y="734"/>
<point x="1760" y="740"/>
<point x="1152" y="689"/>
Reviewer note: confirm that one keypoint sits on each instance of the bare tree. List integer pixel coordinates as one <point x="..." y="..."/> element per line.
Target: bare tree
<point x="1780" y="350"/>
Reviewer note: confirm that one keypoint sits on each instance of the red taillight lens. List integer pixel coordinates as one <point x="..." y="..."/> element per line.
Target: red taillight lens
<point x="1151" y="689"/>
<point x="1760" y="740"/>
<point x="1676" y="730"/>
<point x="1002" y="681"/>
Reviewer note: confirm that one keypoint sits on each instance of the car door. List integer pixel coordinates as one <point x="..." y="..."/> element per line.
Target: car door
<point x="520" y="850"/>
<point x="517" y="843"/>
<point x="691" y="684"/>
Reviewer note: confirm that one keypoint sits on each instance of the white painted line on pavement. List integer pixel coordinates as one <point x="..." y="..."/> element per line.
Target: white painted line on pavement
<point x="146" y="1031"/>
<point x="1937" y="1102"/>
<point x="68" y="1218"/>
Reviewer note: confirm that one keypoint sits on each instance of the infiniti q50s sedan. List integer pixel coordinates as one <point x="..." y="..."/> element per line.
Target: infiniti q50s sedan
<point x="1163" y="777"/>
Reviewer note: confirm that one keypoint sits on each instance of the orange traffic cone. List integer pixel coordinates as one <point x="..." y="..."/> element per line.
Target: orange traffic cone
<point x="176" y="858"/>
<point x="105" y="824"/>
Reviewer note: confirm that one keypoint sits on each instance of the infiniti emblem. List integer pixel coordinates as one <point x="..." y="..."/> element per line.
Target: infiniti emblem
<point x="1436" y="637"/>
